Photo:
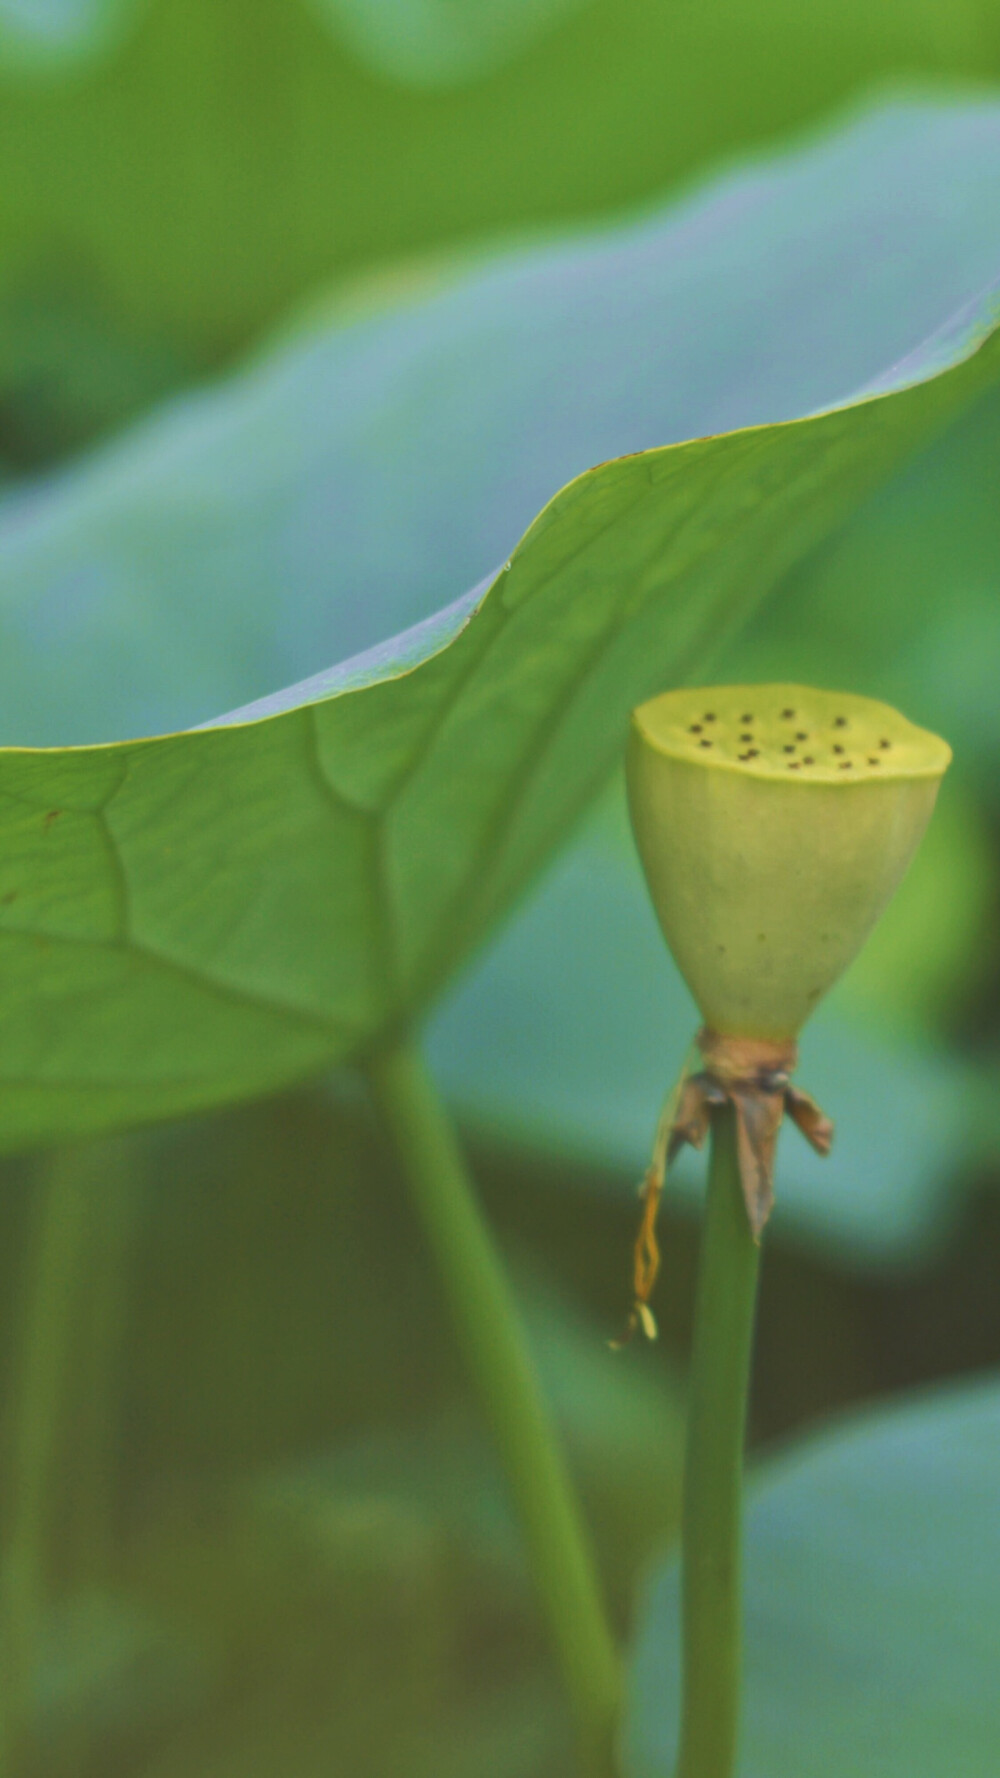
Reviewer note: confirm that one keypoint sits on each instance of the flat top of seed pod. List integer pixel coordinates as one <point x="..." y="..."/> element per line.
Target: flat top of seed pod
<point x="793" y="732"/>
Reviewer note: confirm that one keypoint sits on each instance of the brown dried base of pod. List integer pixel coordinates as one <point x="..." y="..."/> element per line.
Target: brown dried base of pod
<point x="754" y="1077"/>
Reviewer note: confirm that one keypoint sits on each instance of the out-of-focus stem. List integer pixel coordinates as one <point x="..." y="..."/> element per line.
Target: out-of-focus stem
<point x="495" y="1350"/>
<point x="42" y="1354"/>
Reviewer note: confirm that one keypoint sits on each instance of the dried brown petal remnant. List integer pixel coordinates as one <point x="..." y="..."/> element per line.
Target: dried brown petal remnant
<point x="754" y="1077"/>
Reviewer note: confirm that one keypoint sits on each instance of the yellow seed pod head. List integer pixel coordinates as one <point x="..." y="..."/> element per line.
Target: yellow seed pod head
<point x="774" y="823"/>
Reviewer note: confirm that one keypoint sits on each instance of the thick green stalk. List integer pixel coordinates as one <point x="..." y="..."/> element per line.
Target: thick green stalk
<point x="57" y="1253"/>
<point x="497" y="1356"/>
<point x="713" y="1475"/>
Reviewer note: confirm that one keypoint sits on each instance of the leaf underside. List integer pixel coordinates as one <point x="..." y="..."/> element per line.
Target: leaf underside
<point x="205" y="915"/>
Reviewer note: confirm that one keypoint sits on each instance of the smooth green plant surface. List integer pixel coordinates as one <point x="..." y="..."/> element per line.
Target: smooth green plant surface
<point x="713" y="1468"/>
<point x="206" y="914"/>
<point x="267" y="137"/>
<point x="774" y="823"/>
<point x="498" y="1357"/>
<point x="873" y="1614"/>
<point x="426" y="42"/>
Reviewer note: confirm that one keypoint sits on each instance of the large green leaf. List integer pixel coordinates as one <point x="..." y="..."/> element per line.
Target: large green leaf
<point x="201" y="165"/>
<point x="208" y="913"/>
<point x="873" y="1616"/>
<point x="42" y="36"/>
<point x="441" y="43"/>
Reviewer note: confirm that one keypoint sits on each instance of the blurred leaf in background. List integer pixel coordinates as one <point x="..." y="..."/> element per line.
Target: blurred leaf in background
<point x="441" y="43"/>
<point x="204" y="165"/>
<point x="313" y="1551"/>
<point x="873" y="1620"/>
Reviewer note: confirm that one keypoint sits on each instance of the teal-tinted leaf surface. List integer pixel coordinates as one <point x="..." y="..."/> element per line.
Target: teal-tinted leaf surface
<point x="45" y="36"/>
<point x="440" y="43"/>
<point x="424" y="43"/>
<point x="569" y="1034"/>
<point x="873" y="1616"/>
<point x="205" y="914"/>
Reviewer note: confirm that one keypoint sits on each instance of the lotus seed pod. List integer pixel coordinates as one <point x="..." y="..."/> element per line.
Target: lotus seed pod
<point x="774" y="823"/>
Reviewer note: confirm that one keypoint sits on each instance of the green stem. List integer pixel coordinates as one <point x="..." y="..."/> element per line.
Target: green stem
<point x="497" y="1356"/>
<point x="713" y="1474"/>
<point x="57" y="1253"/>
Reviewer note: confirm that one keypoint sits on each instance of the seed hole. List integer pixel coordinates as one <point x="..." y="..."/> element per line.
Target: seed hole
<point x="837" y="747"/>
<point x="746" y="737"/>
<point x="704" y="743"/>
<point x="709" y="716"/>
<point x="746" y="718"/>
<point x="695" y="729"/>
<point x="801" y="735"/>
<point x="885" y="743"/>
<point x="789" y="747"/>
<point x="789" y="715"/>
<point x="840" y="722"/>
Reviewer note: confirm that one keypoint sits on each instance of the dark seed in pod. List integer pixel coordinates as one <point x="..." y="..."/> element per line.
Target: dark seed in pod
<point x="695" y="729"/>
<point x="753" y="753"/>
<point x="789" y="747"/>
<point x="837" y="748"/>
<point x="794" y="765"/>
<point x="808" y="762"/>
<point x="875" y="761"/>
<point x="746" y="718"/>
<point x="840" y="722"/>
<point x="788" y="715"/>
<point x="846" y="764"/>
<point x="801" y="735"/>
<point x="885" y="743"/>
<point x="709" y="716"/>
<point x="746" y="737"/>
<point x="704" y="743"/>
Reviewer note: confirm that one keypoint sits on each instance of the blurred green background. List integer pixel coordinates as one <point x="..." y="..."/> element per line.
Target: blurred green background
<point x="277" y="1540"/>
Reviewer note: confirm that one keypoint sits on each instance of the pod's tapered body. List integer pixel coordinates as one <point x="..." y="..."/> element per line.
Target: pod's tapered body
<point x="774" y="823"/>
